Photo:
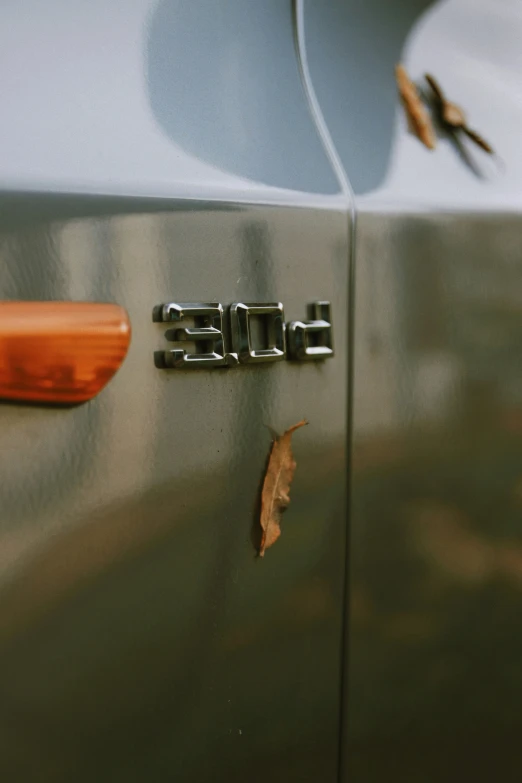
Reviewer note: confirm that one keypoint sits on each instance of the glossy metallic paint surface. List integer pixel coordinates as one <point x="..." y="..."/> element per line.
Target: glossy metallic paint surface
<point x="158" y="98"/>
<point x="434" y="639"/>
<point x="473" y="49"/>
<point x="140" y="638"/>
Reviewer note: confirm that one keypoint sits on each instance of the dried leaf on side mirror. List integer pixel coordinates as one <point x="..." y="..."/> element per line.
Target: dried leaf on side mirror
<point x="275" y="496"/>
<point x="415" y="109"/>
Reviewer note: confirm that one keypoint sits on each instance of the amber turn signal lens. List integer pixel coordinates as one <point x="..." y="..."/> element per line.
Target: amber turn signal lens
<point x="60" y="352"/>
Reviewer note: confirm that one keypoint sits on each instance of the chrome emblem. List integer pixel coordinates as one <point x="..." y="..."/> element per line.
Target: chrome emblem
<point x="212" y="333"/>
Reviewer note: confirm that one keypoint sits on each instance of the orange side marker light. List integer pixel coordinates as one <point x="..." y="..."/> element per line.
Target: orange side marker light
<point x="60" y="352"/>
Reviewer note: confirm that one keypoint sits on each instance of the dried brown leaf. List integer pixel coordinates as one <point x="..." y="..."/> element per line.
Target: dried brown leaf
<point x="454" y="117"/>
<point x="415" y="108"/>
<point x="275" y="496"/>
<point x="435" y="86"/>
<point x="482" y="143"/>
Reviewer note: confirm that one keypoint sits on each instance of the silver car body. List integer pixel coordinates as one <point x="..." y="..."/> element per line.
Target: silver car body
<point x="160" y="151"/>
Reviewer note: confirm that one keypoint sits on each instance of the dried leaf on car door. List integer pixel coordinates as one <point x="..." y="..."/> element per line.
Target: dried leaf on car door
<point x="415" y="109"/>
<point x="275" y="496"/>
